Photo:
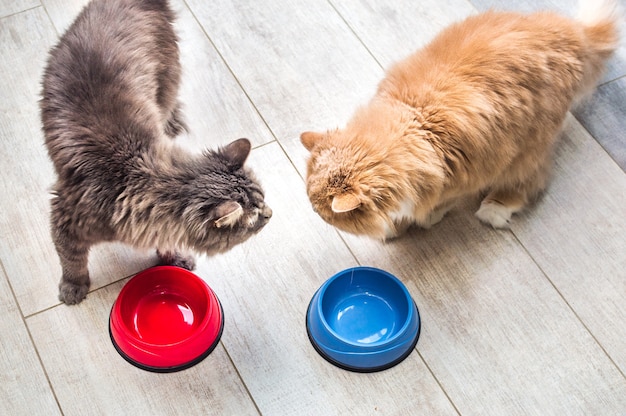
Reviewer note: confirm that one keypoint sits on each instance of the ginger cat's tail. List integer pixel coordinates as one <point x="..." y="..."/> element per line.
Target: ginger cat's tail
<point x="594" y="12"/>
<point x="599" y="19"/>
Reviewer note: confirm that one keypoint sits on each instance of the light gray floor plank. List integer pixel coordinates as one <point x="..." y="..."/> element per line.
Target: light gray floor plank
<point x="584" y="251"/>
<point x="604" y="116"/>
<point x="8" y="7"/>
<point x="91" y="378"/>
<point x="265" y="287"/>
<point x="24" y="389"/>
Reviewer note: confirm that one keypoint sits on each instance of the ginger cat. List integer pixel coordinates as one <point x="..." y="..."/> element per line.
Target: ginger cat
<point x="477" y="110"/>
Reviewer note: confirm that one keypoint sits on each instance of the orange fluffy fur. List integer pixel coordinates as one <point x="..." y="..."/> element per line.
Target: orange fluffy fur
<point x="476" y="110"/>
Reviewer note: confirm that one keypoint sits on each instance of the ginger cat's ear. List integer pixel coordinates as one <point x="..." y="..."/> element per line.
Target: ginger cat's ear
<point x="309" y="139"/>
<point x="345" y="202"/>
<point x="228" y="213"/>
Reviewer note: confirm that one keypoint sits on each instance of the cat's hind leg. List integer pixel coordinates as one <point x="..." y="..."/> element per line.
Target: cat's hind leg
<point x="524" y="183"/>
<point x="498" y="207"/>
<point x="175" y="124"/>
<point x="501" y="203"/>
<point x="168" y="81"/>
<point x="175" y="258"/>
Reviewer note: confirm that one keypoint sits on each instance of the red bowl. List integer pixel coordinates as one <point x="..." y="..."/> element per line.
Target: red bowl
<point x="166" y="319"/>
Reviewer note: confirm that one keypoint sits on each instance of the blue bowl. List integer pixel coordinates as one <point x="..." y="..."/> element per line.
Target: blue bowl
<point x="363" y="319"/>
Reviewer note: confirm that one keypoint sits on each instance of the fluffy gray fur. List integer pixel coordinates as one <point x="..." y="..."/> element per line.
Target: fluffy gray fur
<point x="109" y="110"/>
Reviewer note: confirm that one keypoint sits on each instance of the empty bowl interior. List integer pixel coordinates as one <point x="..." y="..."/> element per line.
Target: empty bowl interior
<point x="365" y="307"/>
<point x="164" y="307"/>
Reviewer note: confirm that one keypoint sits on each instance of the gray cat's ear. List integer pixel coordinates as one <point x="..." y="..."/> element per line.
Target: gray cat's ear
<point x="228" y="213"/>
<point x="345" y="202"/>
<point x="309" y="139"/>
<point x="237" y="152"/>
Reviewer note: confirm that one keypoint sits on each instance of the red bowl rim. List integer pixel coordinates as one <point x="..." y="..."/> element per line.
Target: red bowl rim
<point x="174" y="356"/>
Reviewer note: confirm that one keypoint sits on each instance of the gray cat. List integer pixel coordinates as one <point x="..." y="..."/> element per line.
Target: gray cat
<point x="109" y="110"/>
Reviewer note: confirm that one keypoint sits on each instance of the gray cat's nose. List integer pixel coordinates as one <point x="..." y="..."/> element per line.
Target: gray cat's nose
<point x="266" y="212"/>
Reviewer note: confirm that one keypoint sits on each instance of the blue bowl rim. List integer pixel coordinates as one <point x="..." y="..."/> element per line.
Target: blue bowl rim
<point x="365" y="369"/>
<point x="398" y="282"/>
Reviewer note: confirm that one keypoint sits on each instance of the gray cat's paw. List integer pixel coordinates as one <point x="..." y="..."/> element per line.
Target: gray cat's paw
<point x="494" y="214"/>
<point x="174" y="258"/>
<point x="186" y="262"/>
<point x="72" y="294"/>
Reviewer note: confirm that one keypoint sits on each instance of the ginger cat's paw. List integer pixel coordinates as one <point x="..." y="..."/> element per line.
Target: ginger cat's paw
<point x="494" y="214"/>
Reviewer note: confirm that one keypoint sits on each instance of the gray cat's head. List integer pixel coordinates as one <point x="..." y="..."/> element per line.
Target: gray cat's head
<point x="228" y="205"/>
<point x="208" y="203"/>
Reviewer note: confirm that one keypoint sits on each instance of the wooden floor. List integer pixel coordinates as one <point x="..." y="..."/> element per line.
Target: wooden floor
<point x="529" y="321"/>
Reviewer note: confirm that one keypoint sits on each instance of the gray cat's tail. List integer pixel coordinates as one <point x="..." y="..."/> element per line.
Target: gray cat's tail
<point x="599" y="19"/>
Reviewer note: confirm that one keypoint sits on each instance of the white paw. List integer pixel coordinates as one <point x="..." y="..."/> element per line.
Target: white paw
<point x="434" y="217"/>
<point x="394" y="230"/>
<point x="494" y="214"/>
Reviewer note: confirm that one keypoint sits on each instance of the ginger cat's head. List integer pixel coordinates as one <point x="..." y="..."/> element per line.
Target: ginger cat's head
<point x="362" y="179"/>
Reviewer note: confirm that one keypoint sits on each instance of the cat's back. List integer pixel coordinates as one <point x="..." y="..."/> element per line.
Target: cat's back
<point x="101" y="81"/>
<point x="495" y="50"/>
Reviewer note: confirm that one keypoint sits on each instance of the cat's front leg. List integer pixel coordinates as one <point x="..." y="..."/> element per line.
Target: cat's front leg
<point x="73" y="290"/>
<point x="73" y="250"/>
<point x="175" y="258"/>
<point x="394" y="229"/>
<point x="75" y="281"/>
<point x="435" y="217"/>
